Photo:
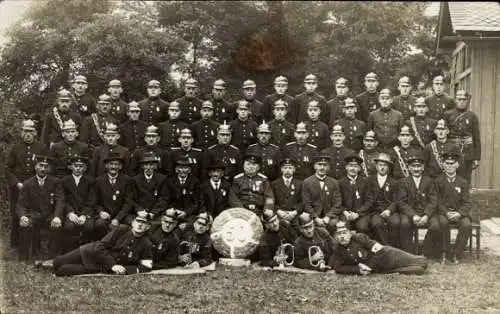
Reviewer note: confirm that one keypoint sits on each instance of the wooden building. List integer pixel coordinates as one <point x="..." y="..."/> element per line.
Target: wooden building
<point x="469" y="32"/>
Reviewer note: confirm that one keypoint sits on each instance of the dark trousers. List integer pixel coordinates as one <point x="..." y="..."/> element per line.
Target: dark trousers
<point x="386" y="231"/>
<point x="102" y="226"/>
<point x="390" y="259"/>
<point x="435" y="239"/>
<point x="39" y="240"/>
<point x="464" y="226"/>
<point x="76" y="235"/>
<point x="14" y="231"/>
<point x="71" y="263"/>
<point x="465" y="170"/>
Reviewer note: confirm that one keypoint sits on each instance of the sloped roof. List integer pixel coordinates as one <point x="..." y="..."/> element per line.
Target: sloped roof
<point x="475" y="16"/>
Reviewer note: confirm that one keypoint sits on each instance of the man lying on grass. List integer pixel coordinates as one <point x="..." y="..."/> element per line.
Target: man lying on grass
<point x="358" y="254"/>
<point x="123" y="251"/>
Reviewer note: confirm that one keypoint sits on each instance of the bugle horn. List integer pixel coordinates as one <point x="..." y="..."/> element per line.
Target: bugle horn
<point x="286" y="251"/>
<point x="313" y="250"/>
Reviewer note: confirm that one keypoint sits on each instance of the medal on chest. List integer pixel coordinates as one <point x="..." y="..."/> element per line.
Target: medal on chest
<point x="283" y="131"/>
<point x="183" y="191"/>
<point x="467" y="121"/>
<point x="357" y="195"/>
<point x="83" y="108"/>
<point x="194" y="109"/>
<point x="232" y="160"/>
<point x="316" y="134"/>
<point x="223" y="192"/>
<point x="306" y="158"/>
<point x="160" y="246"/>
<point x="457" y="188"/>
<point x="387" y="188"/>
<point x="269" y="162"/>
<point x="354" y="128"/>
<point x="223" y="110"/>
<point x="212" y="132"/>
<point x="155" y="193"/>
<point x="117" y="108"/>
<point x="130" y="254"/>
<point x="444" y="106"/>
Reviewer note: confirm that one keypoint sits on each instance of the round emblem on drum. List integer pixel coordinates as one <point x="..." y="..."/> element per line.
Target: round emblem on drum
<point x="236" y="232"/>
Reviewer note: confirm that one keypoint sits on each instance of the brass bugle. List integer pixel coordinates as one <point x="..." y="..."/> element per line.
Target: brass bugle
<point x="286" y="251"/>
<point x="312" y="251"/>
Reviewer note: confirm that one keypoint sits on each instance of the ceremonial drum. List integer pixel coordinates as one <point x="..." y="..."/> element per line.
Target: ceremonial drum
<point x="236" y="233"/>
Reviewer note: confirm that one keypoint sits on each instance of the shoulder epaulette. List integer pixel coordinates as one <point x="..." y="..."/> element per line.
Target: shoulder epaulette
<point x="251" y="145"/>
<point x="274" y="145"/>
<point x="311" y="145"/>
<point x="212" y="146"/>
<point x="234" y="147"/>
<point x="175" y="148"/>
<point x="291" y="143"/>
<point x="196" y="149"/>
<point x="262" y="175"/>
<point x="239" y="175"/>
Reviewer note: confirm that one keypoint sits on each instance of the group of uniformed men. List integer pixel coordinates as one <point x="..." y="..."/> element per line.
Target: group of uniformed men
<point x="104" y="172"/>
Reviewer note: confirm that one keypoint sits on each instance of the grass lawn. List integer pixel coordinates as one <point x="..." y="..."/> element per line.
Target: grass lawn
<point x="471" y="287"/>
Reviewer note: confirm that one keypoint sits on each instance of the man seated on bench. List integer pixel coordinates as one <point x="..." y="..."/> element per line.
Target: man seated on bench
<point x="455" y="204"/>
<point x="123" y="251"/>
<point x="358" y="254"/>
<point x="417" y="199"/>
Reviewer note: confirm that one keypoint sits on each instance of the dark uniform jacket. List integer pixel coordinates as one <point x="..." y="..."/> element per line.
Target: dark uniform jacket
<point x="20" y="163"/>
<point x="382" y="198"/>
<point x="79" y="199"/>
<point x="304" y="155"/>
<point x="215" y="201"/>
<point x="223" y="111"/>
<point x="453" y="196"/>
<point x="355" y="197"/>
<point x="319" y="133"/>
<point x="165" y="247"/>
<point x="401" y="160"/>
<point x="119" y="247"/>
<point x="424" y="128"/>
<point x="465" y="125"/>
<point x="433" y="160"/>
<point x="89" y="133"/>
<point x="354" y="131"/>
<point x="115" y="200"/>
<point x="132" y="134"/>
<point x="335" y="106"/>
<point x="204" y="133"/>
<point x="194" y="155"/>
<point x="119" y="110"/>
<point x="438" y="105"/>
<point x="84" y="104"/>
<point x="41" y="203"/>
<point x="169" y="133"/>
<point x="198" y="245"/>
<point x="422" y="200"/>
<point x="386" y="124"/>
<point x="190" y="109"/>
<point x="368" y="166"/>
<point x="148" y="195"/>
<point x="134" y="167"/>
<point x="322" y="202"/>
<point x="255" y="108"/>
<point x="267" y="107"/>
<point x="248" y="191"/>
<point x="404" y="105"/>
<point x="367" y="102"/>
<point x="185" y="197"/>
<point x="320" y="238"/>
<point x="281" y="132"/>
<point x="62" y="153"/>
<point x="302" y="100"/>
<point x="100" y="153"/>
<point x="345" y="259"/>
<point x="337" y="163"/>
<point x="287" y="198"/>
<point x="271" y="155"/>
<point x="244" y="133"/>
<point x="51" y="131"/>
<point x="230" y="156"/>
<point x="153" y="110"/>
<point x="271" y="241"/>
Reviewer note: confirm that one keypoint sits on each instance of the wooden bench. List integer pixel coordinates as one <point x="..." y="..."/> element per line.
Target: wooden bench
<point x="476" y="233"/>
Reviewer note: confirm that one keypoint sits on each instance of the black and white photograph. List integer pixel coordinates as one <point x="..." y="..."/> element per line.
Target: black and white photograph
<point x="249" y="156"/>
